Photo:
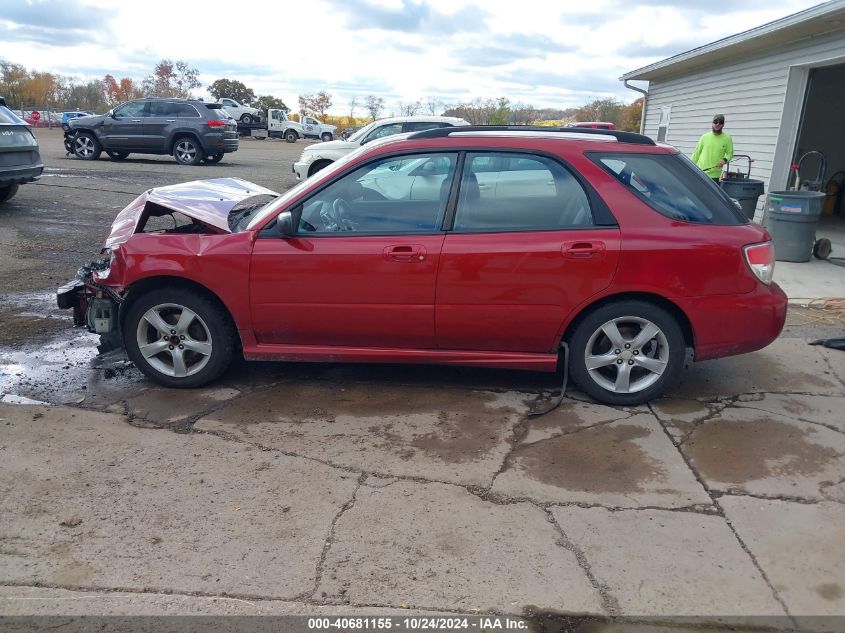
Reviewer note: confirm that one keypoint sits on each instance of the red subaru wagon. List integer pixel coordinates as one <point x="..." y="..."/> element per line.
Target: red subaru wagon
<point x="481" y="246"/>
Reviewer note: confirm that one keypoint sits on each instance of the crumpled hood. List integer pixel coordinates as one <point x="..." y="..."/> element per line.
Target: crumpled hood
<point x="208" y="201"/>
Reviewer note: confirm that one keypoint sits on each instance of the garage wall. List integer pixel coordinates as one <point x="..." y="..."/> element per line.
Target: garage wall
<point x="749" y="92"/>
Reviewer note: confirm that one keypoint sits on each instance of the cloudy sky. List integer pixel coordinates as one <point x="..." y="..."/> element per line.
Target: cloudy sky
<point x="539" y="53"/>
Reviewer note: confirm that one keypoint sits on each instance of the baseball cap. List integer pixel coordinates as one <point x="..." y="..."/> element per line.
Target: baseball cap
<point x="719" y="118"/>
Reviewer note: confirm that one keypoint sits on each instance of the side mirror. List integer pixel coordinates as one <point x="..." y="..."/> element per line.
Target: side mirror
<point x="111" y="114"/>
<point x="288" y="222"/>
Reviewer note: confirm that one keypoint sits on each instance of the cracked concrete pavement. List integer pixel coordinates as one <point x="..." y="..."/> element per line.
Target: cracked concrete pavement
<point x="300" y="489"/>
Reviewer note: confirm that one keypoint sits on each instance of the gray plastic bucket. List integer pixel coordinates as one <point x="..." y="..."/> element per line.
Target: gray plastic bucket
<point x="791" y="218"/>
<point x="746" y="191"/>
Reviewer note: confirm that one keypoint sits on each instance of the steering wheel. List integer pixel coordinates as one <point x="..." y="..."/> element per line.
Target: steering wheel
<point x="341" y="212"/>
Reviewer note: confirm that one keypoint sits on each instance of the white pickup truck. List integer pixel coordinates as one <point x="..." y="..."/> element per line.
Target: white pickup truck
<point x="242" y="113"/>
<point x="278" y="125"/>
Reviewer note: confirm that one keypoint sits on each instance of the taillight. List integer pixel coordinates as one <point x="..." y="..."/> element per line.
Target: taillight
<point x="216" y="123"/>
<point x="761" y="260"/>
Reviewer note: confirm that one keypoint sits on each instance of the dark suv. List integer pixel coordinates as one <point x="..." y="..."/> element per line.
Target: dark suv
<point x="192" y="131"/>
<point x="20" y="161"/>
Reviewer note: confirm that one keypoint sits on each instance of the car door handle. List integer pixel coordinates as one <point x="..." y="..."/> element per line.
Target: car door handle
<point x="170" y="120"/>
<point x="582" y="249"/>
<point x="405" y="253"/>
<point x="136" y="120"/>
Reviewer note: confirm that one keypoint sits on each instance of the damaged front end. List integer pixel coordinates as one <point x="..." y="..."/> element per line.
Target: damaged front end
<point x="95" y="306"/>
<point x="200" y="208"/>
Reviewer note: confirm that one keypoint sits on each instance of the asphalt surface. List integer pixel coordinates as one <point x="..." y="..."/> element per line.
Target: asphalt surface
<point x="301" y="488"/>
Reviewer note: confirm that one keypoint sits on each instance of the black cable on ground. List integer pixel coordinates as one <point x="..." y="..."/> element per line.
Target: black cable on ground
<point x="559" y="399"/>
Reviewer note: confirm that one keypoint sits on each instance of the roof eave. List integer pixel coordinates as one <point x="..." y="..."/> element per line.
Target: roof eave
<point x="812" y="22"/>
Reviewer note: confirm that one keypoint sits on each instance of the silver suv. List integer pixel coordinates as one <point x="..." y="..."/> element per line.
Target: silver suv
<point x="189" y="130"/>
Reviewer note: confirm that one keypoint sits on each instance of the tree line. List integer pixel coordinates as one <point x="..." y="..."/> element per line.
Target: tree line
<point x="23" y="88"/>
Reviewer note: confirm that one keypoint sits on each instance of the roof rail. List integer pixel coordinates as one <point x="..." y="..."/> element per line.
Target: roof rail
<point x="622" y="137"/>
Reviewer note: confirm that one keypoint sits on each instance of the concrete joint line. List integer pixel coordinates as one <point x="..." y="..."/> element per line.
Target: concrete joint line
<point x="608" y="602"/>
<point x="721" y="512"/>
<point x="829" y="427"/>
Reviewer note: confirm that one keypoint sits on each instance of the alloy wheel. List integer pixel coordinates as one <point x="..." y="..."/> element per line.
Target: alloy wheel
<point x="174" y="340"/>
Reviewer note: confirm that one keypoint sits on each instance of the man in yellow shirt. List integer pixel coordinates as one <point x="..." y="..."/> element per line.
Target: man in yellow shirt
<point x="714" y="149"/>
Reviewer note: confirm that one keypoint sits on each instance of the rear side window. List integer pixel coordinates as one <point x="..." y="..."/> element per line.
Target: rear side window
<point x="519" y="192"/>
<point x="214" y="111"/>
<point x="7" y="116"/>
<point x="672" y="186"/>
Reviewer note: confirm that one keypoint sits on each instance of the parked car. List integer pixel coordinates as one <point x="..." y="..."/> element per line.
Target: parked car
<point x="316" y="157"/>
<point x="477" y="246"/>
<point x="67" y="116"/>
<point x="598" y="125"/>
<point x="190" y="130"/>
<point x="20" y="160"/>
<point x="349" y="131"/>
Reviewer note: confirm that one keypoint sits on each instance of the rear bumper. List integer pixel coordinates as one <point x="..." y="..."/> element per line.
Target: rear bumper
<point x="20" y="174"/>
<point x="726" y="325"/>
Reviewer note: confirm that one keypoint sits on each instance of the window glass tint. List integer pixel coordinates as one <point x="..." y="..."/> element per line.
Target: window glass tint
<point x="419" y="126"/>
<point x="672" y="186"/>
<point x="384" y="130"/>
<point x="163" y="109"/>
<point x="519" y="192"/>
<point x="186" y="111"/>
<point x="399" y="195"/>
<point x="213" y="112"/>
<point x="128" y="110"/>
<point x="7" y="116"/>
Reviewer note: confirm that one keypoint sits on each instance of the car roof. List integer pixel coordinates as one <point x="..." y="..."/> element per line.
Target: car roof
<point x="424" y="118"/>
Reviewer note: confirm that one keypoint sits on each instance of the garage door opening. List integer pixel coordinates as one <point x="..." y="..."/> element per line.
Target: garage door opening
<point x="822" y="129"/>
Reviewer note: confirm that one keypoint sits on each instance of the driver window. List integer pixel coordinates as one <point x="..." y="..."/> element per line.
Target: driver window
<point x="396" y="195"/>
<point x="132" y="109"/>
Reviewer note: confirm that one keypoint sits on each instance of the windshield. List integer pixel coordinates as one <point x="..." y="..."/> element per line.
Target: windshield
<point x="292" y="193"/>
<point x="325" y="173"/>
<point x="360" y="134"/>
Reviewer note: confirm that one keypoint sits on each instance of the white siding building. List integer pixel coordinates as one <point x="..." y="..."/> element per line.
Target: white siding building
<point x="781" y="87"/>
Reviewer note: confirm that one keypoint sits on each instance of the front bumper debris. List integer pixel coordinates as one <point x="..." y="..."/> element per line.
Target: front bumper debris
<point x="94" y="306"/>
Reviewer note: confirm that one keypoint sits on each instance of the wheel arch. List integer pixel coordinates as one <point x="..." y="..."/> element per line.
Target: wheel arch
<point x="662" y="302"/>
<point x="318" y="165"/>
<point x="142" y="286"/>
<point x="183" y="134"/>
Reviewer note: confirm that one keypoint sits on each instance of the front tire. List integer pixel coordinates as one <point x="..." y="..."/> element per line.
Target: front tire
<point x="178" y="337"/>
<point x="626" y="352"/>
<point x="247" y="119"/>
<point x="326" y="137"/>
<point x="86" y="146"/>
<point x="187" y="151"/>
<point x="8" y="192"/>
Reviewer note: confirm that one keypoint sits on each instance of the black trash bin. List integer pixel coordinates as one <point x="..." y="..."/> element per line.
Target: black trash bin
<point x="742" y="188"/>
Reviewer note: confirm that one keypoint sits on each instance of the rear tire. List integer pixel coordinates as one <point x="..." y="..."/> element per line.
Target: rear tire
<point x="8" y="192"/>
<point x="117" y="155"/>
<point x="179" y="337"/>
<point x="247" y="119"/>
<point x="626" y="352"/>
<point x="86" y="146"/>
<point x="187" y="151"/>
<point x="214" y="158"/>
<point x="291" y="136"/>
